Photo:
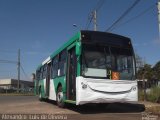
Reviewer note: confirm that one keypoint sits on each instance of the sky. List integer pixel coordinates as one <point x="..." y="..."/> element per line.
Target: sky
<point x="39" y="27"/>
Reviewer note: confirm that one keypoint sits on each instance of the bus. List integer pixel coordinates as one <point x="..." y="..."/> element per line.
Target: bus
<point x="92" y="67"/>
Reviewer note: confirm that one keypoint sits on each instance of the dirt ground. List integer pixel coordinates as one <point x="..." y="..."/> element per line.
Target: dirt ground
<point x="31" y="108"/>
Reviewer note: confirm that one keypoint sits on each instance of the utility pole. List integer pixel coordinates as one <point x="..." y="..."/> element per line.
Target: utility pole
<point x="18" y="70"/>
<point x="95" y="20"/>
<point x="144" y="85"/>
<point x="144" y="81"/>
<point x="158" y="5"/>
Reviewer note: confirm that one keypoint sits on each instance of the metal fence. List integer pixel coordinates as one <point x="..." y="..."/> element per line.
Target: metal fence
<point x="149" y="90"/>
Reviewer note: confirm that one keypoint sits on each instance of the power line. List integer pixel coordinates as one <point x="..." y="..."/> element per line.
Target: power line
<point x="18" y="63"/>
<point x="24" y="72"/>
<point x="137" y="16"/>
<point x="89" y="20"/>
<point x="6" y="51"/>
<point x="99" y="5"/>
<point x="91" y="14"/>
<point x="123" y="15"/>
<point x="5" y="71"/>
<point x="8" y="61"/>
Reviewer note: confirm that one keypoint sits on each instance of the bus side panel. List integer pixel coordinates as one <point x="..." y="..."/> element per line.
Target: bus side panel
<point x="52" y="92"/>
<point x="60" y="80"/>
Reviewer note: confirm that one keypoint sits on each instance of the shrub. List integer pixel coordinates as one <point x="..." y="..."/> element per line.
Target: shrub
<point x="154" y="94"/>
<point x="140" y="95"/>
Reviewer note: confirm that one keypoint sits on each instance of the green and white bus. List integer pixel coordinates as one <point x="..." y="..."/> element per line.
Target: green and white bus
<point x="92" y="67"/>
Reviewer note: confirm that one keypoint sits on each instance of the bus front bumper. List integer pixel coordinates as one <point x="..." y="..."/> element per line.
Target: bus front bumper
<point x="87" y="91"/>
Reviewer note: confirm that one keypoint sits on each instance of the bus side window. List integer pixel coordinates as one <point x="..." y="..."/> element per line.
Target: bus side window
<point x="55" y="67"/>
<point x="37" y="75"/>
<point x="62" y="62"/>
<point x="41" y="73"/>
<point x="44" y="71"/>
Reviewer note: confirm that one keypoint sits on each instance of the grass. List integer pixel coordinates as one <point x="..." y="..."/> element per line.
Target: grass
<point x="140" y="95"/>
<point x="154" y="94"/>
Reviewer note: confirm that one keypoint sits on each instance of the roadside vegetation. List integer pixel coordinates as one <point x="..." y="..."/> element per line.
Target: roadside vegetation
<point x="152" y="85"/>
<point x="148" y="72"/>
<point x="153" y="95"/>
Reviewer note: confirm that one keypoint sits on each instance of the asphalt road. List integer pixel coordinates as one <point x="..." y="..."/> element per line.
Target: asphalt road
<point x="31" y="105"/>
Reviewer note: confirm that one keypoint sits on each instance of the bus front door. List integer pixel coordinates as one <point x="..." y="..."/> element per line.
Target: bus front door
<point x="71" y="75"/>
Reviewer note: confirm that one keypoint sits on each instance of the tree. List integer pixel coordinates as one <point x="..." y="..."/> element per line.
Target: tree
<point x="139" y="62"/>
<point x="147" y="71"/>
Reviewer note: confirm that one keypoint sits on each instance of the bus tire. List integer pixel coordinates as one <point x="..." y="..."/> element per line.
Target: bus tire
<point x="59" y="97"/>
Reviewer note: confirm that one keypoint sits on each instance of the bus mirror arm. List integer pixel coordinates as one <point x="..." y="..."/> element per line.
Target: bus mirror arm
<point x="33" y="76"/>
<point x="78" y="48"/>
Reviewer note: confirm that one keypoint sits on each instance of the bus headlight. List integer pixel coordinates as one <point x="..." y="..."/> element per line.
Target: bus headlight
<point x="84" y="86"/>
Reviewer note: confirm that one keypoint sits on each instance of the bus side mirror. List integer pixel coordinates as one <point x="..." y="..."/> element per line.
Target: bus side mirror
<point x="78" y="48"/>
<point x="33" y="76"/>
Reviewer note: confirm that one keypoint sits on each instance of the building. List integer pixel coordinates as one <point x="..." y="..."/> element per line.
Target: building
<point x="10" y="85"/>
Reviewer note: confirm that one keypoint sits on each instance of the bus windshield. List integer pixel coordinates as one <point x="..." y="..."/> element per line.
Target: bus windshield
<point x="100" y="61"/>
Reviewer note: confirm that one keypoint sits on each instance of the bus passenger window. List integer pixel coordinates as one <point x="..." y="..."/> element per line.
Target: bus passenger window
<point x="44" y="71"/>
<point x="37" y="75"/>
<point x="55" y="67"/>
<point x="41" y="73"/>
<point x="62" y="63"/>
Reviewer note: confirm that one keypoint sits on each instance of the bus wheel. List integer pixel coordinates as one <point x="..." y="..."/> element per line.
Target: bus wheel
<point x="60" y="100"/>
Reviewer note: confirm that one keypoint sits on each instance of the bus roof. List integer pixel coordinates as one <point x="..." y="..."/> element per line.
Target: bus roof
<point x="105" y="38"/>
<point x="77" y="37"/>
<point x="90" y="36"/>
